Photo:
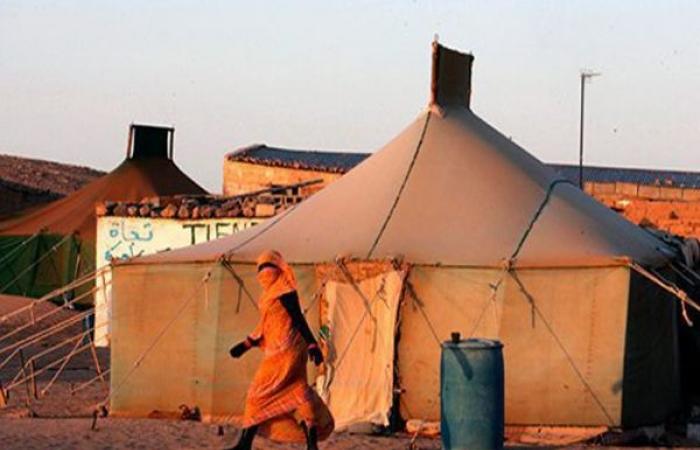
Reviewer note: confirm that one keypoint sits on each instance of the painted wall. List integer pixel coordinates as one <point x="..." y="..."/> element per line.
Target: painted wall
<point x="127" y="237"/>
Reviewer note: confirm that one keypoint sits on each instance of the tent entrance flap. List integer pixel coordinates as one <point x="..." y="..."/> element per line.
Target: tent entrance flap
<point x="359" y="324"/>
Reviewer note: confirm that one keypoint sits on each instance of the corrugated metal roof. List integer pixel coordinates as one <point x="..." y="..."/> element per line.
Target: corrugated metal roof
<point x="630" y="175"/>
<point x="341" y="162"/>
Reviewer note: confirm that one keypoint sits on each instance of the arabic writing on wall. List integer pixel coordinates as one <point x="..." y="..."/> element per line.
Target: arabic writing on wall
<point x="126" y="237"/>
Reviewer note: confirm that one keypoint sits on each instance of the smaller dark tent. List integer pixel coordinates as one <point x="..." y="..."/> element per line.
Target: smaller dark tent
<point x="49" y="246"/>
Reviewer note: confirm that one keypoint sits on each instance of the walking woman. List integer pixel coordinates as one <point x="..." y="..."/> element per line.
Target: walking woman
<point x="280" y="403"/>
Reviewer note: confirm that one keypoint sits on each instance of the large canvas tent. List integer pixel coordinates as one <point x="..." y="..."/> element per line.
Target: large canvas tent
<point x="451" y="226"/>
<point x="49" y="246"/>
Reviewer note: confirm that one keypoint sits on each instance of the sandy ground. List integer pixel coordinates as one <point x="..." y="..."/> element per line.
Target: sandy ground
<point x="148" y="434"/>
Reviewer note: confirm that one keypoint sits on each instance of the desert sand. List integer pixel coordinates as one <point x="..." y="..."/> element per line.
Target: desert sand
<point x="150" y="434"/>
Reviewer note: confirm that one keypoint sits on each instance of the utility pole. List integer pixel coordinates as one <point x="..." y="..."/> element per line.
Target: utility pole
<point x="585" y="75"/>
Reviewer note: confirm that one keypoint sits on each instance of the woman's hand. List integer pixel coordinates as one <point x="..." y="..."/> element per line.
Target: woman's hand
<point x="315" y="354"/>
<point x="239" y="349"/>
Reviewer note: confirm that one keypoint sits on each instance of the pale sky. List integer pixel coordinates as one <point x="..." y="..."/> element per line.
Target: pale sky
<point x="345" y="76"/>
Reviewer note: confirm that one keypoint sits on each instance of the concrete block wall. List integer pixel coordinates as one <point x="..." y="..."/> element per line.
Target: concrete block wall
<point x="670" y="208"/>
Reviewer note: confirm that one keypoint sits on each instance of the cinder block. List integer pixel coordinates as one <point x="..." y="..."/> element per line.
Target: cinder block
<point x="604" y="188"/>
<point x="670" y="193"/>
<point x="691" y="195"/>
<point x="627" y="189"/>
<point x="648" y="191"/>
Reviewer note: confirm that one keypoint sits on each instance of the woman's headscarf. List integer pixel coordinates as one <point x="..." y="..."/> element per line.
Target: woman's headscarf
<point x="286" y="282"/>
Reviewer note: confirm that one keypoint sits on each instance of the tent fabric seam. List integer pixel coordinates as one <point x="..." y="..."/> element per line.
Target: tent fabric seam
<point x="612" y="261"/>
<point x="538" y="214"/>
<point x="403" y="185"/>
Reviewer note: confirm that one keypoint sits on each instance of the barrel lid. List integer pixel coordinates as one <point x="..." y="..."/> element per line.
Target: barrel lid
<point x="474" y="344"/>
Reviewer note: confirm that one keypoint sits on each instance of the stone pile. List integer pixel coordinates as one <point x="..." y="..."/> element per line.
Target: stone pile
<point x="263" y="203"/>
<point x="193" y="207"/>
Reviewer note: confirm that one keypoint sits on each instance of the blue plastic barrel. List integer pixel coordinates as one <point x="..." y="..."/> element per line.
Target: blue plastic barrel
<point x="471" y="394"/>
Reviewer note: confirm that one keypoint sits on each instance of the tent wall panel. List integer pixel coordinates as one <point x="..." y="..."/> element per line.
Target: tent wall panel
<point x="564" y="356"/>
<point x="652" y="373"/>
<point x="190" y="363"/>
<point x="586" y="309"/>
<point x="175" y="371"/>
<point x="453" y="300"/>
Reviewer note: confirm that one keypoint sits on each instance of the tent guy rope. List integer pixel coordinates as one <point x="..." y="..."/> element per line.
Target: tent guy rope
<point x="563" y="348"/>
<point x="86" y="278"/>
<point x="680" y="294"/>
<point x="53" y="312"/>
<point x="536" y="216"/>
<point x="241" y="284"/>
<point x="395" y="203"/>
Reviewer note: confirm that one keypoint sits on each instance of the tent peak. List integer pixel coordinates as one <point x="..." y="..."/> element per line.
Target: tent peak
<point x="150" y="141"/>
<point x="451" y="83"/>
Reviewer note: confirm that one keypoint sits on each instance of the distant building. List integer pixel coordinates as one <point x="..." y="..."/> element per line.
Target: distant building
<point x="665" y="199"/>
<point x="16" y="197"/>
<point x="260" y="167"/>
<point x="27" y="182"/>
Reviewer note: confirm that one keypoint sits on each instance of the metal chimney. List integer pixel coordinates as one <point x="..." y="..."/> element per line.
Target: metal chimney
<point x="451" y="83"/>
<point x="147" y="141"/>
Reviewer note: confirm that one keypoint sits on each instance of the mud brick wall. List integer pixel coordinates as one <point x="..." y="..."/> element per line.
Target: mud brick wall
<point x="242" y="177"/>
<point x="670" y="208"/>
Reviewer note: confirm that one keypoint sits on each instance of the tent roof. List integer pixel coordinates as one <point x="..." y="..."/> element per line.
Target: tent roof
<point x="135" y="178"/>
<point x="449" y="190"/>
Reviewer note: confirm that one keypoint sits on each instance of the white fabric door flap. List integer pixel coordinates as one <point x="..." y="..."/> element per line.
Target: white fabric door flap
<point x="359" y="381"/>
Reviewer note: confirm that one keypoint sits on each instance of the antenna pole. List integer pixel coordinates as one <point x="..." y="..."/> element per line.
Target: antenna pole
<point x="585" y="75"/>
